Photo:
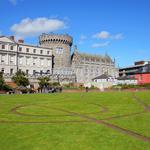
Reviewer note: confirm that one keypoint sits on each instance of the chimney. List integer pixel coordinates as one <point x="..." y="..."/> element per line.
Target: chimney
<point x="20" y="41"/>
<point x="12" y="38"/>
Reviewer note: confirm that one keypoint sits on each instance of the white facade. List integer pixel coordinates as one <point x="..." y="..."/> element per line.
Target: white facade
<point x="128" y="82"/>
<point x="19" y="56"/>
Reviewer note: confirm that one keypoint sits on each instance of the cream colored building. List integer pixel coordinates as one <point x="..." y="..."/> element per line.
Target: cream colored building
<point x="28" y="58"/>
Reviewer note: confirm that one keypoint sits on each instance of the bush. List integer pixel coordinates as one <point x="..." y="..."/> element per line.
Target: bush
<point x="55" y="84"/>
<point x="69" y="86"/>
<point x="7" y="87"/>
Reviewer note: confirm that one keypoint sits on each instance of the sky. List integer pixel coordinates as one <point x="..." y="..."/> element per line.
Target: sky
<point x="119" y="28"/>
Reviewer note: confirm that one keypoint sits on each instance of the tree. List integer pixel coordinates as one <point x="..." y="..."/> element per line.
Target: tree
<point x="20" y="79"/>
<point x="3" y="85"/>
<point x="2" y="82"/>
<point x="44" y="82"/>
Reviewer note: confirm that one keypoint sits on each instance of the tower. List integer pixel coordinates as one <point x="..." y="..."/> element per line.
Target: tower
<point x="61" y="47"/>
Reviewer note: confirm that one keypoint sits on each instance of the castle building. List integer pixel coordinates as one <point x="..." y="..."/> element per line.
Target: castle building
<point x="87" y="66"/>
<point x="52" y="57"/>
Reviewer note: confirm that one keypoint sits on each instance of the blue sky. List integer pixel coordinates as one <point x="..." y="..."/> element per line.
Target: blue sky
<point x="119" y="27"/>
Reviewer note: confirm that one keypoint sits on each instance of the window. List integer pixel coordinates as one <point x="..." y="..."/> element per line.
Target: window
<point x="41" y="51"/>
<point x="27" y="60"/>
<point x="20" y="60"/>
<point x="34" y="50"/>
<point x="11" y="71"/>
<point x="27" y="50"/>
<point x="11" y="59"/>
<point x="34" y="72"/>
<point x="48" y="52"/>
<point x="3" y="70"/>
<point x="48" y="62"/>
<point x="41" y="61"/>
<point x="34" y="61"/>
<point x="3" y="59"/>
<point x="59" y="50"/>
<point x="3" y="46"/>
<point x="27" y="72"/>
<point x="20" y="49"/>
<point x="11" y="47"/>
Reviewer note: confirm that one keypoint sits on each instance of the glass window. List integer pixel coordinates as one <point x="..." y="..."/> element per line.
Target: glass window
<point x="41" y="51"/>
<point x="27" y="72"/>
<point x="34" y="72"/>
<point x="59" y="50"/>
<point x="3" y="70"/>
<point x="34" y="50"/>
<point x="27" y="50"/>
<point x="20" y="60"/>
<point x="3" y="59"/>
<point x="3" y="46"/>
<point x="34" y="61"/>
<point x="48" y="52"/>
<point x="11" y="71"/>
<point x="48" y="62"/>
<point x="11" y="47"/>
<point x="11" y="59"/>
<point x="41" y="61"/>
<point x="20" y="49"/>
<point x="27" y="60"/>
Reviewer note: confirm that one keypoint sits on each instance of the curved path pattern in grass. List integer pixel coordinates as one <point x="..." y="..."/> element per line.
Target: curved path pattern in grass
<point x="85" y="117"/>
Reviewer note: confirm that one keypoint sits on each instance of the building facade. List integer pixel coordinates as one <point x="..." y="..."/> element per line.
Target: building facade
<point x="52" y="57"/>
<point x="140" y="71"/>
<point x="87" y="66"/>
<point x="33" y="60"/>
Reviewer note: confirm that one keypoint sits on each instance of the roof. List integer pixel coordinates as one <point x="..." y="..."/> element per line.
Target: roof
<point x="8" y="39"/>
<point x="130" y="67"/>
<point x="94" y="57"/>
<point x="103" y="76"/>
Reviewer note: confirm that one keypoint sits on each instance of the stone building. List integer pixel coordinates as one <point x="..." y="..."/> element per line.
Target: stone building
<point x="87" y="66"/>
<point x="52" y="57"/>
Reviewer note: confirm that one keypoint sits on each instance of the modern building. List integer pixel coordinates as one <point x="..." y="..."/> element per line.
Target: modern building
<point x="52" y="57"/>
<point x="140" y="71"/>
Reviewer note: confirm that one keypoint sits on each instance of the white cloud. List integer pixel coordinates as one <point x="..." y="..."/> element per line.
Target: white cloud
<point x="102" y="35"/>
<point x="117" y="36"/>
<point x="82" y="38"/>
<point x="96" y="45"/>
<point x="13" y="2"/>
<point x="107" y="35"/>
<point x="33" y="27"/>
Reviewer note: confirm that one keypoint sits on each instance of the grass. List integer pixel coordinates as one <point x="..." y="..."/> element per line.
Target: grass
<point x="48" y="121"/>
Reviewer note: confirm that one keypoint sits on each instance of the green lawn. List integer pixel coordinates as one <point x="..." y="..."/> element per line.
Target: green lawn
<point x="75" y="121"/>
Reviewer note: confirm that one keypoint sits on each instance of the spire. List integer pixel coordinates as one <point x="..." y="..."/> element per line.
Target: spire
<point x="75" y="49"/>
<point x="114" y="61"/>
<point x="106" y="53"/>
